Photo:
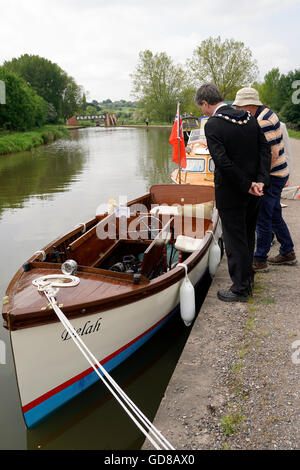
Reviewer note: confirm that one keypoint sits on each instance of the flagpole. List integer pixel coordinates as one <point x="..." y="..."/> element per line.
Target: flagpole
<point x="178" y="136"/>
<point x="177" y="141"/>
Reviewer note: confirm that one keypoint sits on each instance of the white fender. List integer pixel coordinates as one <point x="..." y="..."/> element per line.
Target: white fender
<point x="214" y="258"/>
<point x="187" y="299"/>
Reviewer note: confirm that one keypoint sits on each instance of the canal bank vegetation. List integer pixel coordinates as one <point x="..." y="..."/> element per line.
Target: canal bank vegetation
<point x="40" y="93"/>
<point x="11" y="142"/>
<point x="24" y="108"/>
<point x="294" y="134"/>
<point x="59" y="95"/>
<point x="39" y="96"/>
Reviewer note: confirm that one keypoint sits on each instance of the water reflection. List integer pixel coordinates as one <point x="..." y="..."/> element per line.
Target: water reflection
<point x="155" y="156"/>
<point x="40" y="172"/>
<point x="117" y="161"/>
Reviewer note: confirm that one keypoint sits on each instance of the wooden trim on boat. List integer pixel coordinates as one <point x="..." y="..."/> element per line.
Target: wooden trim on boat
<point x="137" y="292"/>
<point x="165" y="194"/>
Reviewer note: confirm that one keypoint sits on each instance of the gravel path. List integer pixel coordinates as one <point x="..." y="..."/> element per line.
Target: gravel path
<point x="236" y="385"/>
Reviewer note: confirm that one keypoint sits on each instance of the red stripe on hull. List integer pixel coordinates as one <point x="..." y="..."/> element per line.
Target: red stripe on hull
<point x="88" y="371"/>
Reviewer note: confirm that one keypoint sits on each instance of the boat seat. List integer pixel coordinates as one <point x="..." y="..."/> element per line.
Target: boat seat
<point x="181" y="194"/>
<point x="165" y="210"/>
<point x="188" y="244"/>
<point x="201" y="211"/>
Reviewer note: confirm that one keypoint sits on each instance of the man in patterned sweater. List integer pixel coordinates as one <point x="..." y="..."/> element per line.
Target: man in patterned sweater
<point x="270" y="218"/>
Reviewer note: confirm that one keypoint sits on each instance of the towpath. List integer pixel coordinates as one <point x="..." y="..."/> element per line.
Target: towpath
<point x="236" y="385"/>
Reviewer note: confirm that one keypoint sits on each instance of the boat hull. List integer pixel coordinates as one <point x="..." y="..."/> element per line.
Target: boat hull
<point x="47" y="356"/>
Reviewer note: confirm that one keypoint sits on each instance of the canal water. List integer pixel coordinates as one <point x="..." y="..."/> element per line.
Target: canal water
<point x="44" y="193"/>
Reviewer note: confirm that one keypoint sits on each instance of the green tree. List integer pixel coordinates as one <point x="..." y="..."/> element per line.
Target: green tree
<point x="269" y="90"/>
<point x="158" y="84"/>
<point x="49" y="81"/>
<point x="38" y="107"/>
<point x="281" y="93"/>
<point x="24" y="109"/>
<point x="188" y="105"/>
<point x="51" y="114"/>
<point x="45" y="77"/>
<point x="91" y="111"/>
<point x="290" y="96"/>
<point x="72" y="98"/>
<point x="229" y="65"/>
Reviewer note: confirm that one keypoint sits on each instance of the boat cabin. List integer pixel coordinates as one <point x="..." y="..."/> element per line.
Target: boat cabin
<point x="199" y="164"/>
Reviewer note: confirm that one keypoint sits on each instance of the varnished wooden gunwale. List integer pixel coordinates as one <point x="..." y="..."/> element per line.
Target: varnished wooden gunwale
<point x="36" y="318"/>
<point x="58" y="241"/>
<point x="167" y="194"/>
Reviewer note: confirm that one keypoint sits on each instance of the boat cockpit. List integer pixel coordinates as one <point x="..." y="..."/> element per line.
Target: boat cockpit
<point x="151" y="236"/>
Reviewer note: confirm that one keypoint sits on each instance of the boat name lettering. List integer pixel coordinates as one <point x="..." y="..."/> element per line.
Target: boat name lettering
<point x="87" y="329"/>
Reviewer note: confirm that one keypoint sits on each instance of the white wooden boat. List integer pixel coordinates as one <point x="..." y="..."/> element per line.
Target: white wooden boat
<point x="128" y="288"/>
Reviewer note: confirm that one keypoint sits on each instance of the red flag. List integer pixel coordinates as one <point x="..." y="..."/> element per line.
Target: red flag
<point x="174" y="139"/>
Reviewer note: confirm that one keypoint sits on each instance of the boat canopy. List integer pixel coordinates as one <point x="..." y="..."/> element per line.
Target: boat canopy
<point x="196" y="134"/>
<point x="190" y="122"/>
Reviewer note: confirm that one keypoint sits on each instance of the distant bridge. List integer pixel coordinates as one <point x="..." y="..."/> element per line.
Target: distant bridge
<point x="104" y="119"/>
<point x="85" y="118"/>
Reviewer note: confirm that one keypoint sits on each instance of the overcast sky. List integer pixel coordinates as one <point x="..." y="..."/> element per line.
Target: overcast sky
<point x="97" y="42"/>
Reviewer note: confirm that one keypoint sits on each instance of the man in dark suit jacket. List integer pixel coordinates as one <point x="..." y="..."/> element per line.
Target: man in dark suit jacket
<point x="242" y="165"/>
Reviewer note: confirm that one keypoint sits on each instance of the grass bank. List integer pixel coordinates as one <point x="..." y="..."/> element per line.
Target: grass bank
<point x="21" y="141"/>
<point x="294" y="134"/>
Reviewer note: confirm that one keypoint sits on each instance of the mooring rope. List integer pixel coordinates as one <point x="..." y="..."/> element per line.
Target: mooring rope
<point x="144" y="425"/>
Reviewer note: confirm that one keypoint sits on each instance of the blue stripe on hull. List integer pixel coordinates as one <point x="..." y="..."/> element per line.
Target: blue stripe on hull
<point x="39" y="412"/>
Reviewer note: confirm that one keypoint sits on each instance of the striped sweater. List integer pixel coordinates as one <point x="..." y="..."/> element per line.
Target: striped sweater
<point x="270" y="125"/>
